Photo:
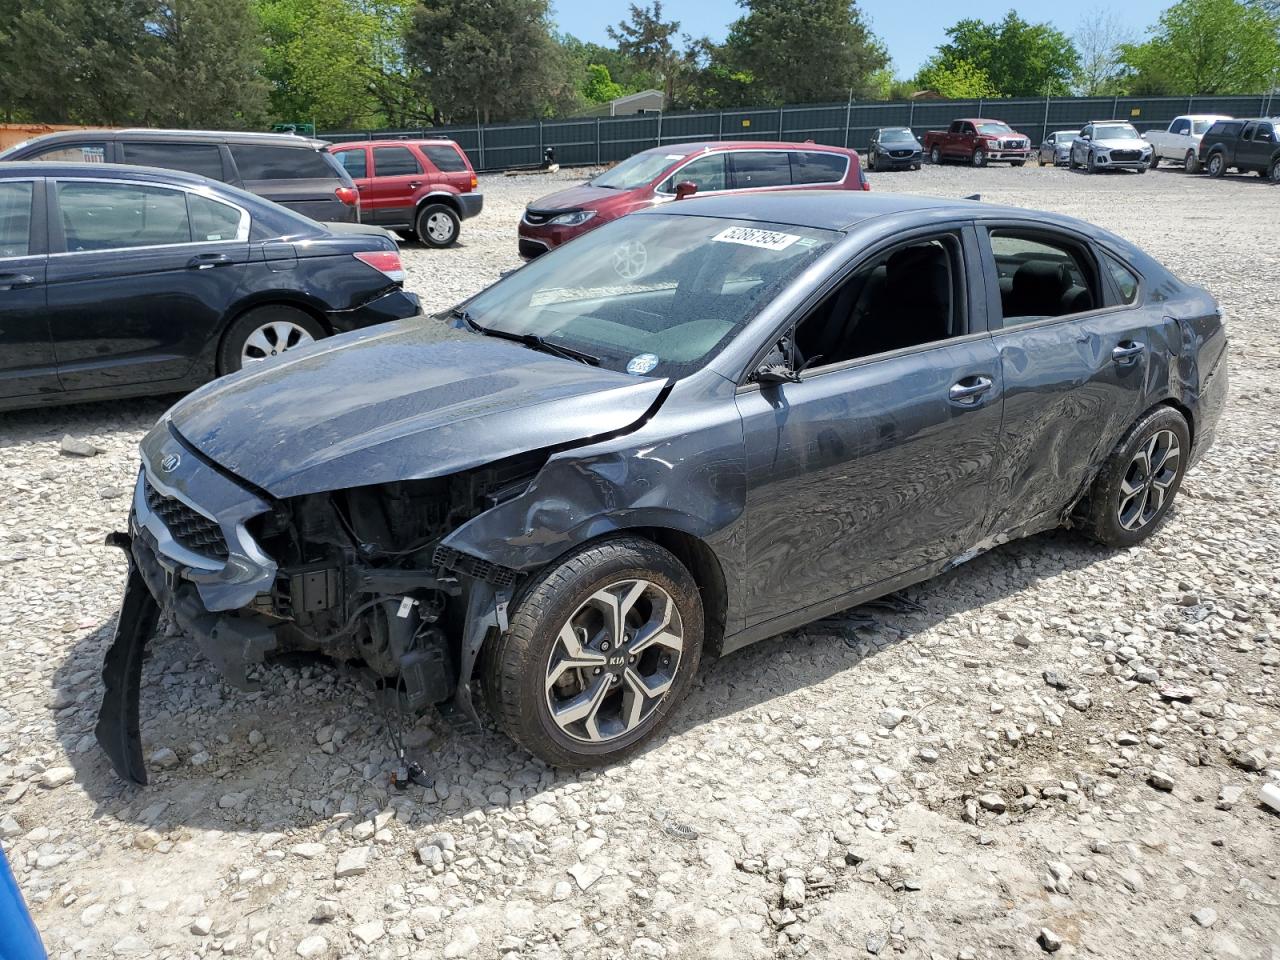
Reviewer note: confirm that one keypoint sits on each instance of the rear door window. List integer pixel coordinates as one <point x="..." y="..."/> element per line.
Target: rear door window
<point x="15" y="219"/>
<point x="110" y="216"/>
<point x="395" y="162"/>
<point x="202" y="158"/>
<point x="759" y="168"/>
<point x="212" y="220"/>
<point x="445" y="159"/>
<point x="355" y="161"/>
<point x="89" y="152"/>
<point x="1041" y="277"/>
<point x="813" y="167"/>
<point x="256" y="162"/>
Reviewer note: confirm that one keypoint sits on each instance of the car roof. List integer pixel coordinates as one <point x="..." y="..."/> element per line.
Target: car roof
<point x="833" y="209"/>
<point x="689" y="149"/>
<point x="23" y="169"/>
<point x="1205" y="116"/>
<point x="979" y="120"/>
<point x="212" y="136"/>
<point x="428" y="141"/>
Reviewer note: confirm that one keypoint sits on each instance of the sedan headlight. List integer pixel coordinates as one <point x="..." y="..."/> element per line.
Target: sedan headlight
<point x="573" y="217"/>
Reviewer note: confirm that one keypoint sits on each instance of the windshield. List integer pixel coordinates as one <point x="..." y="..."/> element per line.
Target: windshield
<point x="1200" y="126"/>
<point x="1115" y="131"/>
<point x="897" y="136"/>
<point x="636" y="171"/>
<point x="1065" y="136"/>
<point x="994" y="129"/>
<point x="650" y="294"/>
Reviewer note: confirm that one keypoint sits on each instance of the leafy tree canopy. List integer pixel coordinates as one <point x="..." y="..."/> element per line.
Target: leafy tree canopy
<point x="1020" y="59"/>
<point x="1207" y="46"/>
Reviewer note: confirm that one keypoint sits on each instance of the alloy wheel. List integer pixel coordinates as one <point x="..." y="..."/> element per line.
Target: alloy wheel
<point x="272" y="339"/>
<point x="1151" y="472"/>
<point x="614" y="661"/>
<point x="440" y="227"/>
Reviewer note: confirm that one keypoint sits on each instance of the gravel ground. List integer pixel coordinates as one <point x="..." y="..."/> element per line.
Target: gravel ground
<point x="1060" y="750"/>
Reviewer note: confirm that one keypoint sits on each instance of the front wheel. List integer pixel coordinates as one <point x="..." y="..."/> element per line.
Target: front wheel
<point x="1016" y="163"/>
<point x="600" y="649"/>
<point x="1091" y="164"/>
<point x="1217" y="166"/>
<point x="1135" y="488"/>
<point x="1154" y="161"/>
<point x="1071" y="160"/>
<point x="935" y="155"/>
<point x="1274" y="174"/>
<point x="437" y="225"/>
<point x="979" y="158"/>
<point x="871" y="161"/>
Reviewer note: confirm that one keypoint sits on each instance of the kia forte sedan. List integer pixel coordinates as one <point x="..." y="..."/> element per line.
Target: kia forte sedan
<point x="694" y="428"/>
<point x="122" y="281"/>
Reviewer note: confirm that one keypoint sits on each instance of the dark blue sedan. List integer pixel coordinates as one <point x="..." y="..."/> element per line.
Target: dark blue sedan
<point x="693" y="428"/>
<point x="118" y="280"/>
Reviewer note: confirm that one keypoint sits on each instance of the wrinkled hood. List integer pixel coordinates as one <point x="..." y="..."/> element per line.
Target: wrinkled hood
<point x="401" y="401"/>
<point x="576" y="198"/>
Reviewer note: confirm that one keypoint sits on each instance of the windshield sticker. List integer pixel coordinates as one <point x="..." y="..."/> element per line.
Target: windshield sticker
<point x="674" y="156"/>
<point x="629" y="259"/>
<point x="751" y="237"/>
<point x="642" y="363"/>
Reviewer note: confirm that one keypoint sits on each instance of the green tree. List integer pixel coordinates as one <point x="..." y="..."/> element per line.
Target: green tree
<point x="803" y="51"/>
<point x="709" y="80"/>
<point x="1207" y="47"/>
<point x="1099" y="40"/>
<point x="200" y="67"/>
<point x="489" y="61"/>
<point x="957" y="80"/>
<point x="1021" y="59"/>
<point x="599" y="86"/>
<point x="646" y="40"/>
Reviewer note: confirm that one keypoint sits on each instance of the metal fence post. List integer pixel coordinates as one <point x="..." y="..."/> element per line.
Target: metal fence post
<point x="1044" y="127"/>
<point x="1190" y="101"/>
<point x="597" y="141"/>
<point x="540" y="147"/>
<point x="480" y="141"/>
<point x="720" y="128"/>
<point x="780" y="123"/>
<point x="848" y="109"/>
<point x="659" y="128"/>
<point x="911" y="117"/>
<point x="1115" y="107"/>
<point x="980" y="103"/>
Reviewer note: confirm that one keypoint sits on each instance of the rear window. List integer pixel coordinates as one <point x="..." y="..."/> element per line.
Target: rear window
<point x="15" y="219"/>
<point x="280" y="163"/>
<point x="395" y="162"/>
<point x="753" y="168"/>
<point x="355" y="162"/>
<point x="202" y="158"/>
<point x="73" y="153"/>
<point x="446" y="159"/>
<point x="815" y="167"/>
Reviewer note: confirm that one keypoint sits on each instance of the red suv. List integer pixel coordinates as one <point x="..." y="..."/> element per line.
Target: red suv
<point x="419" y="188"/>
<point x="671" y="172"/>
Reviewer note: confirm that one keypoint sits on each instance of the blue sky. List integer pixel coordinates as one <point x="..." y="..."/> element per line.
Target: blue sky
<point x="911" y="29"/>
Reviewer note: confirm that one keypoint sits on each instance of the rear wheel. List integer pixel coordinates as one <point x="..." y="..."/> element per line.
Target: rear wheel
<point x="266" y="332"/>
<point x="1191" y="163"/>
<point x="437" y="225"/>
<point x="1135" y="488"/>
<point x="1217" y="165"/>
<point x="600" y="650"/>
<point x="935" y="155"/>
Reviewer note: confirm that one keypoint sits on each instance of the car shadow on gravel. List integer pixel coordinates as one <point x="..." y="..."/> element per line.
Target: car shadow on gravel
<point x="84" y="421"/>
<point x="251" y="762"/>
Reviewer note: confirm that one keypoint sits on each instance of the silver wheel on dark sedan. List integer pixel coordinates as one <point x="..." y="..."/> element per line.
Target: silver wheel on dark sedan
<point x="1151" y="473"/>
<point x="272" y="339"/>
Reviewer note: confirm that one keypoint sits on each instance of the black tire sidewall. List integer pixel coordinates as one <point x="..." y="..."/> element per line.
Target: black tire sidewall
<point x="516" y="663"/>
<point x="424" y="235"/>
<point x="1103" y="522"/>
<point x="1216" y="166"/>
<point x="232" y="345"/>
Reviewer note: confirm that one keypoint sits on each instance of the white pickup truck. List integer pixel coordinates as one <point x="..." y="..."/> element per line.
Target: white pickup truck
<point x="1181" y="141"/>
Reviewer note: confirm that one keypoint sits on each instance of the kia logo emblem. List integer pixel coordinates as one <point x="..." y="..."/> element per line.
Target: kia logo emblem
<point x="170" y="462"/>
<point x="616" y="661"/>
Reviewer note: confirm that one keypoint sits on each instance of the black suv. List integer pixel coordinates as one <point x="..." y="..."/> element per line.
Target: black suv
<point x="1244" y="144"/>
<point x="293" y="171"/>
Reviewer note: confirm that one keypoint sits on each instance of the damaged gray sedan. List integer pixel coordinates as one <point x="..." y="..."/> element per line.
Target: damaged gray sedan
<point x="696" y="427"/>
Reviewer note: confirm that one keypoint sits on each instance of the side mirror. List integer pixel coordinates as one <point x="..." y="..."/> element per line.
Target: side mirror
<point x="776" y="373"/>
<point x="1084" y="136"/>
<point x="686" y="188"/>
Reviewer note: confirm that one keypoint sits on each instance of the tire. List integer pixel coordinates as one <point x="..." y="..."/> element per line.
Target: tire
<point x="1274" y="173"/>
<point x="1111" y="498"/>
<point x="871" y="160"/>
<point x="1154" y="161"/>
<point x="1016" y="163"/>
<point x="520" y="663"/>
<point x="1191" y="163"/>
<point x="437" y="225"/>
<point x="1091" y="164"/>
<point x="1040" y="160"/>
<point x="1216" y="166"/>
<point x="1142" y="169"/>
<point x="1071" y="160"/>
<point x="935" y="155"/>
<point x="266" y="332"/>
<point x="915" y="166"/>
<point x="979" y="158"/>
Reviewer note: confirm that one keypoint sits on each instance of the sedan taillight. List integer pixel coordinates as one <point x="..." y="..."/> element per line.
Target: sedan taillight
<point x="348" y="195"/>
<point x="384" y="261"/>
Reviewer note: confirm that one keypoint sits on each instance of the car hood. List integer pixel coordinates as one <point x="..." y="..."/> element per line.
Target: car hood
<point x="402" y="401"/>
<point x="1120" y="144"/>
<point x="583" y="196"/>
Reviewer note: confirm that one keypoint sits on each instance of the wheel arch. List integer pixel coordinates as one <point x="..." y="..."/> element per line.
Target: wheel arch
<point x="450" y="200"/>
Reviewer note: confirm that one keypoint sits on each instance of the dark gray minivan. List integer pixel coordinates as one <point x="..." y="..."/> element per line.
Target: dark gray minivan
<point x="296" y="172"/>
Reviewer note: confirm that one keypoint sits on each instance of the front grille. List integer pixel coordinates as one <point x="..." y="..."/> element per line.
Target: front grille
<point x="536" y="218"/>
<point x="901" y="153"/>
<point x="1123" y="155"/>
<point x="1013" y="144"/>
<point x="458" y="562"/>
<point x="189" y="529"/>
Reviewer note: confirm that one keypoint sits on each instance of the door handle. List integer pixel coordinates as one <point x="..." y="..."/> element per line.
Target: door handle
<point x="204" y="261"/>
<point x="1127" y="351"/>
<point x="969" y="390"/>
<point x="12" y="281"/>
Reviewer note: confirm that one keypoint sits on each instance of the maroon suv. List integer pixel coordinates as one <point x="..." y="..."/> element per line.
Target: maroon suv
<point x="670" y="172"/>
<point x="419" y="188"/>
